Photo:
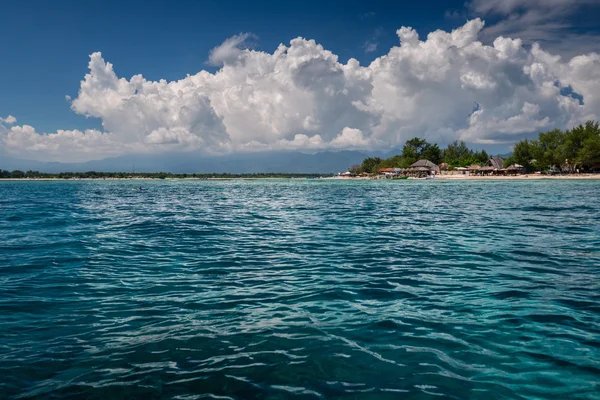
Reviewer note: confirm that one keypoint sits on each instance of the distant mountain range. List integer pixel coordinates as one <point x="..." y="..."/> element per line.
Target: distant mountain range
<point x="328" y="162"/>
<point x="274" y="162"/>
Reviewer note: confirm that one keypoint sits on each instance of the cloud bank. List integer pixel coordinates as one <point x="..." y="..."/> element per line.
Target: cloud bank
<point x="301" y="97"/>
<point x="553" y="23"/>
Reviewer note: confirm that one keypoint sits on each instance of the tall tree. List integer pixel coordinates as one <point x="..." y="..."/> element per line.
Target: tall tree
<point x="432" y="153"/>
<point x="370" y="164"/>
<point x="547" y="149"/>
<point x="481" y="157"/>
<point x="414" y="148"/>
<point x="523" y="153"/>
<point x="590" y="152"/>
<point x="457" y="154"/>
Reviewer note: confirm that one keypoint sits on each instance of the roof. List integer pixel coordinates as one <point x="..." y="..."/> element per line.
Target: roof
<point x="495" y="162"/>
<point x="423" y="163"/>
<point x="515" y="167"/>
<point x="474" y="167"/>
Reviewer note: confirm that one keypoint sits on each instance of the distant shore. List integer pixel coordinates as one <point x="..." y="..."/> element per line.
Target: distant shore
<point x="455" y="177"/>
<point x="517" y="177"/>
<point x="492" y="178"/>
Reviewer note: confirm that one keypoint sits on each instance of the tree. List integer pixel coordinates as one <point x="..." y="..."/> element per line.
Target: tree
<point x="354" y="170"/>
<point x="547" y="149"/>
<point x="590" y="152"/>
<point x="522" y="153"/>
<point x="413" y="149"/>
<point x="17" y="174"/>
<point x="370" y="164"/>
<point x="396" y="161"/>
<point x="432" y="153"/>
<point x="457" y="154"/>
<point x="481" y="156"/>
<point x="581" y="144"/>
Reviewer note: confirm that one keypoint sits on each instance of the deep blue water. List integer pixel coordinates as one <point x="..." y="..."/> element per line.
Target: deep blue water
<point x="300" y="289"/>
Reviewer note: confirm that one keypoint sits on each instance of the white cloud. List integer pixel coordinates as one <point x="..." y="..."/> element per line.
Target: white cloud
<point x="72" y="145"/>
<point x="230" y="49"/>
<point x="8" y="120"/>
<point x="301" y="97"/>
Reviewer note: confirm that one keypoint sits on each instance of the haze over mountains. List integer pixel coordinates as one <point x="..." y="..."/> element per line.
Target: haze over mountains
<point x="273" y="162"/>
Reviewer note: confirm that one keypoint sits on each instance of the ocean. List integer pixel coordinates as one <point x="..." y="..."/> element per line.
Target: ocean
<point x="277" y="289"/>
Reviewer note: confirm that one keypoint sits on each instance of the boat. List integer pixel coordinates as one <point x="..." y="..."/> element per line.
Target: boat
<point x="400" y="178"/>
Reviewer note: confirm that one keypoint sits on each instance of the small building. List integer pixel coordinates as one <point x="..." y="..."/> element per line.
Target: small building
<point x="515" y="169"/>
<point x="474" y="169"/>
<point x="389" y="172"/>
<point x="423" y="168"/>
<point x="493" y="166"/>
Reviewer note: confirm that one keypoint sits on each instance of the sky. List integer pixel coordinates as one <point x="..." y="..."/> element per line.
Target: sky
<point x="95" y="79"/>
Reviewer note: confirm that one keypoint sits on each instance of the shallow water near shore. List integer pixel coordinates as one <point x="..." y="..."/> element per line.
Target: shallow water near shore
<point x="300" y="289"/>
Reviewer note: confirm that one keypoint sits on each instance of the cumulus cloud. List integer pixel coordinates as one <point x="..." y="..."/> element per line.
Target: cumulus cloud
<point x="8" y="120"/>
<point x="301" y="97"/>
<point x="66" y="145"/>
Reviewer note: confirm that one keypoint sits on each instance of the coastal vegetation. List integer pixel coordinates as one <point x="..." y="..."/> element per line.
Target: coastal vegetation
<point x="556" y="150"/>
<point x="456" y="154"/>
<point x="566" y="151"/>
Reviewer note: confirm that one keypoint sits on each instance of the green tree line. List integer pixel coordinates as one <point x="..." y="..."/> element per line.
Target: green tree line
<point x="566" y="151"/>
<point x="457" y="154"/>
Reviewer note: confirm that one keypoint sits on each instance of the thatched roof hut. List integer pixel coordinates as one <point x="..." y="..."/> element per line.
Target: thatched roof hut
<point x="425" y="166"/>
<point x="515" y="168"/>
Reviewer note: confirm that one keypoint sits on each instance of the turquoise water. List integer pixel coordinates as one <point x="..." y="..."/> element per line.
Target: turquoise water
<point x="300" y="289"/>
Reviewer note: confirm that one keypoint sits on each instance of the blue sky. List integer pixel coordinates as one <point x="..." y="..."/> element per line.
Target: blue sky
<point x="46" y="45"/>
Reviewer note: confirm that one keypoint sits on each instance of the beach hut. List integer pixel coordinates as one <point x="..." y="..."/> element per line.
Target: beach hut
<point x="473" y="169"/>
<point x="423" y="168"/>
<point x="389" y="172"/>
<point x="493" y="166"/>
<point x="515" y="169"/>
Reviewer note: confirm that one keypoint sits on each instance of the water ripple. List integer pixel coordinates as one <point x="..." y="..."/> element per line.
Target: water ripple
<point x="285" y="289"/>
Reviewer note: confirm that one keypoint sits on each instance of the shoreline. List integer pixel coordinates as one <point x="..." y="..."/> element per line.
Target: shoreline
<point x="528" y="177"/>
